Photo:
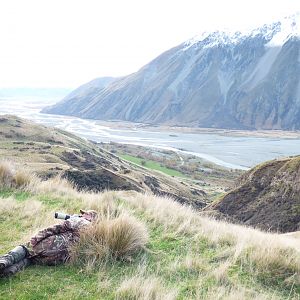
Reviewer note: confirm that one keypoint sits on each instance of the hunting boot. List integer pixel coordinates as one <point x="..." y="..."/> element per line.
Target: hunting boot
<point x="12" y="257"/>
<point x="13" y="269"/>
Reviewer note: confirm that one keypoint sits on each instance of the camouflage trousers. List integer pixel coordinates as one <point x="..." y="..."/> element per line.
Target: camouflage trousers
<point x="14" y="261"/>
<point x="22" y="256"/>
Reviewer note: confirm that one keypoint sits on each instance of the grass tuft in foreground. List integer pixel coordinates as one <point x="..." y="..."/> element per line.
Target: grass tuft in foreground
<point x="109" y="239"/>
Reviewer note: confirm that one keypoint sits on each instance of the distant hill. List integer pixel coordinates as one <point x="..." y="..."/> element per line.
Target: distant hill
<point x="267" y="197"/>
<point x="78" y="99"/>
<point x="51" y="151"/>
<point x="226" y="80"/>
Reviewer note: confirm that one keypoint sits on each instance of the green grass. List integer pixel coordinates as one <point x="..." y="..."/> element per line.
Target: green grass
<point x="164" y="258"/>
<point x="151" y="165"/>
<point x="18" y="195"/>
<point x="68" y="282"/>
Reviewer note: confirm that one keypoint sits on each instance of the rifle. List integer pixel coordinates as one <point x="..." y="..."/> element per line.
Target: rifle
<point x="63" y="216"/>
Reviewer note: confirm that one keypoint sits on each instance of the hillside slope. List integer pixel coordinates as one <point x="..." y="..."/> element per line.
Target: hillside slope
<point x="224" y="80"/>
<point x="50" y="151"/>
<point x="187" y="256"/>
<point x="267" y="197"/>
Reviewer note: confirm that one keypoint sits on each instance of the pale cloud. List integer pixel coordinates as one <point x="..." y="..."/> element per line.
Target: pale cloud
<point x="66" y="43"/>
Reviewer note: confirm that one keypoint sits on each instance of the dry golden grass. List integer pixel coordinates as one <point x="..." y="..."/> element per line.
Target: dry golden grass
<point x="265" y="252"/>
<point x="56" y="186"/>
<point x="220" y="273"/>
<point x="22" y="178"/>
<point x="116" y="235"/>
<point x="191" y="264"/>
<point x="30" y="208"/>
<point x="141" y="288"/>
<point x="103" y="203"/>
<point x="106" y="239"/>
<point x="29" y="214"/>
<point x="223" y="287"/>
<point x="8" y="206"/>
<point x="6" y="174"/>
<point x="278" y="254"/>
<point x="229" y="293"/>
<point x="12" y="178"/>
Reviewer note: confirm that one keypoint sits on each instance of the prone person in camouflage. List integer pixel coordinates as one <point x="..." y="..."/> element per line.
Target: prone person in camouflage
<point x="49" y="246"/>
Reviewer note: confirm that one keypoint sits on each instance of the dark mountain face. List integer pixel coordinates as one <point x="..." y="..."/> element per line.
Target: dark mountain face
<point x="245" y="81"/>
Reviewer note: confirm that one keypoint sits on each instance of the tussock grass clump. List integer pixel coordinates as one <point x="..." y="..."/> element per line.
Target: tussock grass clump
<point x="6" y="174"/>
<point x="12" y="178"/>
<point x="22" y="178"/>
<point x="140" y="288"/>
<point x="117" y="238"/>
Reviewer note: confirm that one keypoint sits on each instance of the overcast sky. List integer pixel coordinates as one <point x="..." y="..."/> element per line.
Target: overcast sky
<point x="64" y="43"/>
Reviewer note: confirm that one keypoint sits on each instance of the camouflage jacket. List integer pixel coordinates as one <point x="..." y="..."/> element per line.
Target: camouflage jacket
<point x="51" y="246"/>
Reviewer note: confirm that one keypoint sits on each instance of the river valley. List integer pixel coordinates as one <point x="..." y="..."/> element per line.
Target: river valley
<point x="231" y="151"/>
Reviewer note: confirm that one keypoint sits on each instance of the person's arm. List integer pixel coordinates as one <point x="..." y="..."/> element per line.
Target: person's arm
<point x="73" y="224"/>
<point x="53" y="230"/>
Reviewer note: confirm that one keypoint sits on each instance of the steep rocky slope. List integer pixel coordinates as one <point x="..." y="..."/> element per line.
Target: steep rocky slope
<point x="228" y="80"/>
<point x="267" y="197"/>
<point x="50" y="151"/>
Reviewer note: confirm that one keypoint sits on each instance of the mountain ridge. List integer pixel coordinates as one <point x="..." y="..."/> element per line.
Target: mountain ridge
<point x="232" y="81"/>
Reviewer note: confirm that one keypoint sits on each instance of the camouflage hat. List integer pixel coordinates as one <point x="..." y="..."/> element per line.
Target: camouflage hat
<point x="90" y="215"/>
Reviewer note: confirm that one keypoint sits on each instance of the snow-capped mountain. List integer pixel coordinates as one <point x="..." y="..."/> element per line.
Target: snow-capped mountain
<point x="245" y="80"/>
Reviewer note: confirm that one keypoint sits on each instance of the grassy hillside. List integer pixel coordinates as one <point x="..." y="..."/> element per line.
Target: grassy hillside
<point x="212" y="178"/>
<point x="151" y="165"/>
<point x="187" y="256"/>
<point x="50" y="151"/>
<point x="267" y="196"/>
